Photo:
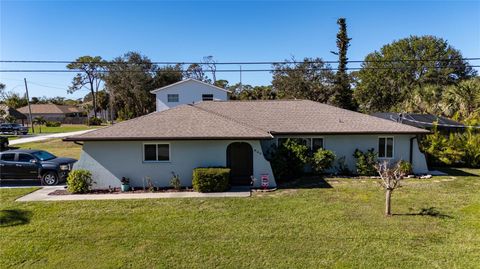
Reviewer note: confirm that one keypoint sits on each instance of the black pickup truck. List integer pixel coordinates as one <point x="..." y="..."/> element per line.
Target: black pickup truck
<point x="13" y="128"/>
<point x="32" y="164"/>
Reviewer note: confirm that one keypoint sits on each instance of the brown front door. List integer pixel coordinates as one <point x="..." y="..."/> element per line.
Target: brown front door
<point x="240" y="162"/>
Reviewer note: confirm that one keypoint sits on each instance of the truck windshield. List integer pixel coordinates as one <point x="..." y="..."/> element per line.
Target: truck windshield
<point x="43" y="155"/>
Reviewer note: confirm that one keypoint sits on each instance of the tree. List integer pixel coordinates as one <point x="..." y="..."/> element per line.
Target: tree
<point x="90" y="76"/>
<point x="2" y="91"/>
<point x="130" y="79"/>
<point x="39" y="121"/>
<point x="211" y="64"/>
<point x="390" y="177"/>
<point x="389" y="76"/>
<point x="195" y="71"/>
<point x="222" y="83"/>
<point x="462" y="101"/>
<point x="342" y="94"/>
<point x="311" y="79"/>
<point x="14" y="100"/>
<point x="249" y="92"/>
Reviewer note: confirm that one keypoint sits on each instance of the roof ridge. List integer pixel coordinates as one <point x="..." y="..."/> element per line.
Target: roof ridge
<point x="232" y="120"/>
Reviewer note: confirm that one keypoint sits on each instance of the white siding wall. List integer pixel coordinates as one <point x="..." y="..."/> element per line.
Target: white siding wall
<point x="109" y="161"/>
<point x="345" y="145"/>
<point x="188" y="92"/>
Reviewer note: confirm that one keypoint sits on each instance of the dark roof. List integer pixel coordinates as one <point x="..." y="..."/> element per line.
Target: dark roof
<point x="13" y="112"/>
<point x="246" y="120"/>
<point x="419" y="120"/>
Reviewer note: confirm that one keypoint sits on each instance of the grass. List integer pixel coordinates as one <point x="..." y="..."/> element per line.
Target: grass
<point x="437" y="226"/>
<point x="62" y="129"/>
<point x="55" y="146"/>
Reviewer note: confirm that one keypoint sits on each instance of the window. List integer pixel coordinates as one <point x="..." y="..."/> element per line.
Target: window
<point x="156" y="152"/>
<point x="385" y="147"/>
<point x="312" y="143"/>
<point x="172" y="98"/>
<point x="25" y="158"/>
<point x="207" y="97"/>
<point x="8" y="157"/>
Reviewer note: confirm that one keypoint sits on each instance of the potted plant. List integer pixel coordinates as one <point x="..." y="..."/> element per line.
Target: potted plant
<point x="125" y="184"/>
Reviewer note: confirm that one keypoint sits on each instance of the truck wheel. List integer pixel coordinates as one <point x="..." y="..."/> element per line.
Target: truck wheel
<point x="50" y="178"/>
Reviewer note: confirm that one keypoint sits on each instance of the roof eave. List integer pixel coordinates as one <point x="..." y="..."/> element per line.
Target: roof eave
<point x="72" y="139"/>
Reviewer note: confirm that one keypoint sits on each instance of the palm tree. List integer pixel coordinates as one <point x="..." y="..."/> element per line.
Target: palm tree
<point x="39" y="121"/>
<point x="463" y="99"/>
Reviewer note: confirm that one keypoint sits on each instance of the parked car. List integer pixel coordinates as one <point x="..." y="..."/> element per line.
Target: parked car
<point x="3" y="143"/>
<point x="13" y="128"/>
<point x="32" y="164"/>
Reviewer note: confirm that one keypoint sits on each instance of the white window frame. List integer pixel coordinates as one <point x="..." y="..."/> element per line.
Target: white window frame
<point x="393" y="147"/>
<point x="156" y="152"/>
<point x="305" y="137"/>
<point x="173" y="94"/>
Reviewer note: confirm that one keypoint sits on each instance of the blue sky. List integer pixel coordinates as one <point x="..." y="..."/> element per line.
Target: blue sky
<point x="230" y="31"/>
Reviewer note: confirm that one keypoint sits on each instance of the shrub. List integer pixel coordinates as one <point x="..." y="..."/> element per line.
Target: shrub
<point x="366" y="162"/>
<point x="342" y="167"/>
<point x="288" y="160"/>
<point x="322" y="160"/>
<point x="175" y="182"/>
<point x="79" y="181"/>
<point x="53" y="124"/>
<point x="405" y="168"/>
<point x="210" y="179"/>
<point x="94" y="121"/>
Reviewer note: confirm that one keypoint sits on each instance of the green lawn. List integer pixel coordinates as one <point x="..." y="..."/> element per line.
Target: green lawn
<point x="62" y="129"/>
<point x="56" y="147"/>
<point x="306" y="227"/>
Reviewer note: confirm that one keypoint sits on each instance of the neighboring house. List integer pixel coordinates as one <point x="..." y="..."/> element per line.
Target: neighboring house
<point x="188" y="91"/>
<point x="425" y="121"/>
<point x="235" y="134"/>
<point x="51" y="112"/>
<point x="20" y="118"/>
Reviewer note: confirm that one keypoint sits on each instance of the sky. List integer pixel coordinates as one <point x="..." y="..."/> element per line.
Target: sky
<point x="183" y="31"/>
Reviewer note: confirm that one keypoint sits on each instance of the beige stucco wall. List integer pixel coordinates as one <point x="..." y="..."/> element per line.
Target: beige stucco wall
<point x="109" y="161"/>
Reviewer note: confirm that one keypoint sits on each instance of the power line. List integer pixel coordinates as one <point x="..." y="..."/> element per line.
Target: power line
<point x="218" y="70"/>
<point x="241" y="63"/>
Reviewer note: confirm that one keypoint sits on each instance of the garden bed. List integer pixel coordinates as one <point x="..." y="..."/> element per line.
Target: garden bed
<point x="118" y="191"/>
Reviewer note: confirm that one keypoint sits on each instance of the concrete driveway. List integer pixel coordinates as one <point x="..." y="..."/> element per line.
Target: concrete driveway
<point x="45" y="137"/>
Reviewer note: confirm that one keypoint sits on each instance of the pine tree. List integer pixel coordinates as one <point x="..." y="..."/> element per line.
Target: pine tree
<point x="342" y="96"/>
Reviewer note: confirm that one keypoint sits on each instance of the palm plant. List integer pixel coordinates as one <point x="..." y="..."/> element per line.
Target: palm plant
<point x="39" y="121"/>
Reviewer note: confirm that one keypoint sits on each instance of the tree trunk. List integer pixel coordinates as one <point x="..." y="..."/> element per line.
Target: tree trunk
<point x="388" y="207"/>
<point x="94" y="99"/>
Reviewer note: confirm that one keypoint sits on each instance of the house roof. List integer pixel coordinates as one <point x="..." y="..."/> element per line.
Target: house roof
<point x="303" y="117"/>
<point x="50" y="109"/>
<point x="13" y="112"/>
<point x="246" y="120"/>
<point x="181" y="122"/>
<point x="189" y="80"/>
<point x="419" y="120"/>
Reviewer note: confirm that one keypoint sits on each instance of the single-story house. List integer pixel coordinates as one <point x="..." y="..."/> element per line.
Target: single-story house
<point x="236" y="134"/>
<point x="425" y="121"/>
<point x="53" y="112"/>
<point x="9" y="111"/>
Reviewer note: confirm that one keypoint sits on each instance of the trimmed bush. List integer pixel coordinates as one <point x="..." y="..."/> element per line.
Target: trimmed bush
<point x="405" y="168"/>
<point x="210" y="179"/>
<point x="288" y="160"/>
<point x="322" y="160"/>
<point x="53" y="124"/>
<point x="94" y="121"/>
<point x="366" y="162"/>
<point x="79" y="181"/>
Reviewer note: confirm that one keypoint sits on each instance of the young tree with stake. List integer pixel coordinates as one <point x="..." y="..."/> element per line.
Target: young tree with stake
<point x="390" y="177"/>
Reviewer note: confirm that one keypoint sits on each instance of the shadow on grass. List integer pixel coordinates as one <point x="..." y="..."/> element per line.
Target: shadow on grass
<point x="313" y="182"/>
<point x="430" y="211"/>
<point x="455" y="172"/>
<point x="14" y="217"/>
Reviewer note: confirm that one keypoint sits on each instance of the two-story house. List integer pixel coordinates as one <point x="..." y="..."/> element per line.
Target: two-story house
<point x="189" y="91"/>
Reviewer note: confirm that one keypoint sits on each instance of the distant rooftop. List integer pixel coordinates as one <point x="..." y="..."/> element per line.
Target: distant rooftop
<point x="425" y="121"/>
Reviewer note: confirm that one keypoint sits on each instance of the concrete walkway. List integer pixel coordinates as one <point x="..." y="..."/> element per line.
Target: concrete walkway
<point x="46" y="137"/>
<point x="42" y="195"/>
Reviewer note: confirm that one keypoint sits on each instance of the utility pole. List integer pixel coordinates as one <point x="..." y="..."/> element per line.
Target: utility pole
<point x="29" y="108"/>
<point x="241" y="86"/>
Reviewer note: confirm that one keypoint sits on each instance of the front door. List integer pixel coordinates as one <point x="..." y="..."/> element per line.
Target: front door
<point x="240" y="162"/>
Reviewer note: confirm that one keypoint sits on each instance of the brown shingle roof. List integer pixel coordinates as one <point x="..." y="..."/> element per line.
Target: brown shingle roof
<point x="247" y="119"/>
<point x="304" y="116"/>
<point x="50" y="109"/>
<point x="181" y="122"/>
